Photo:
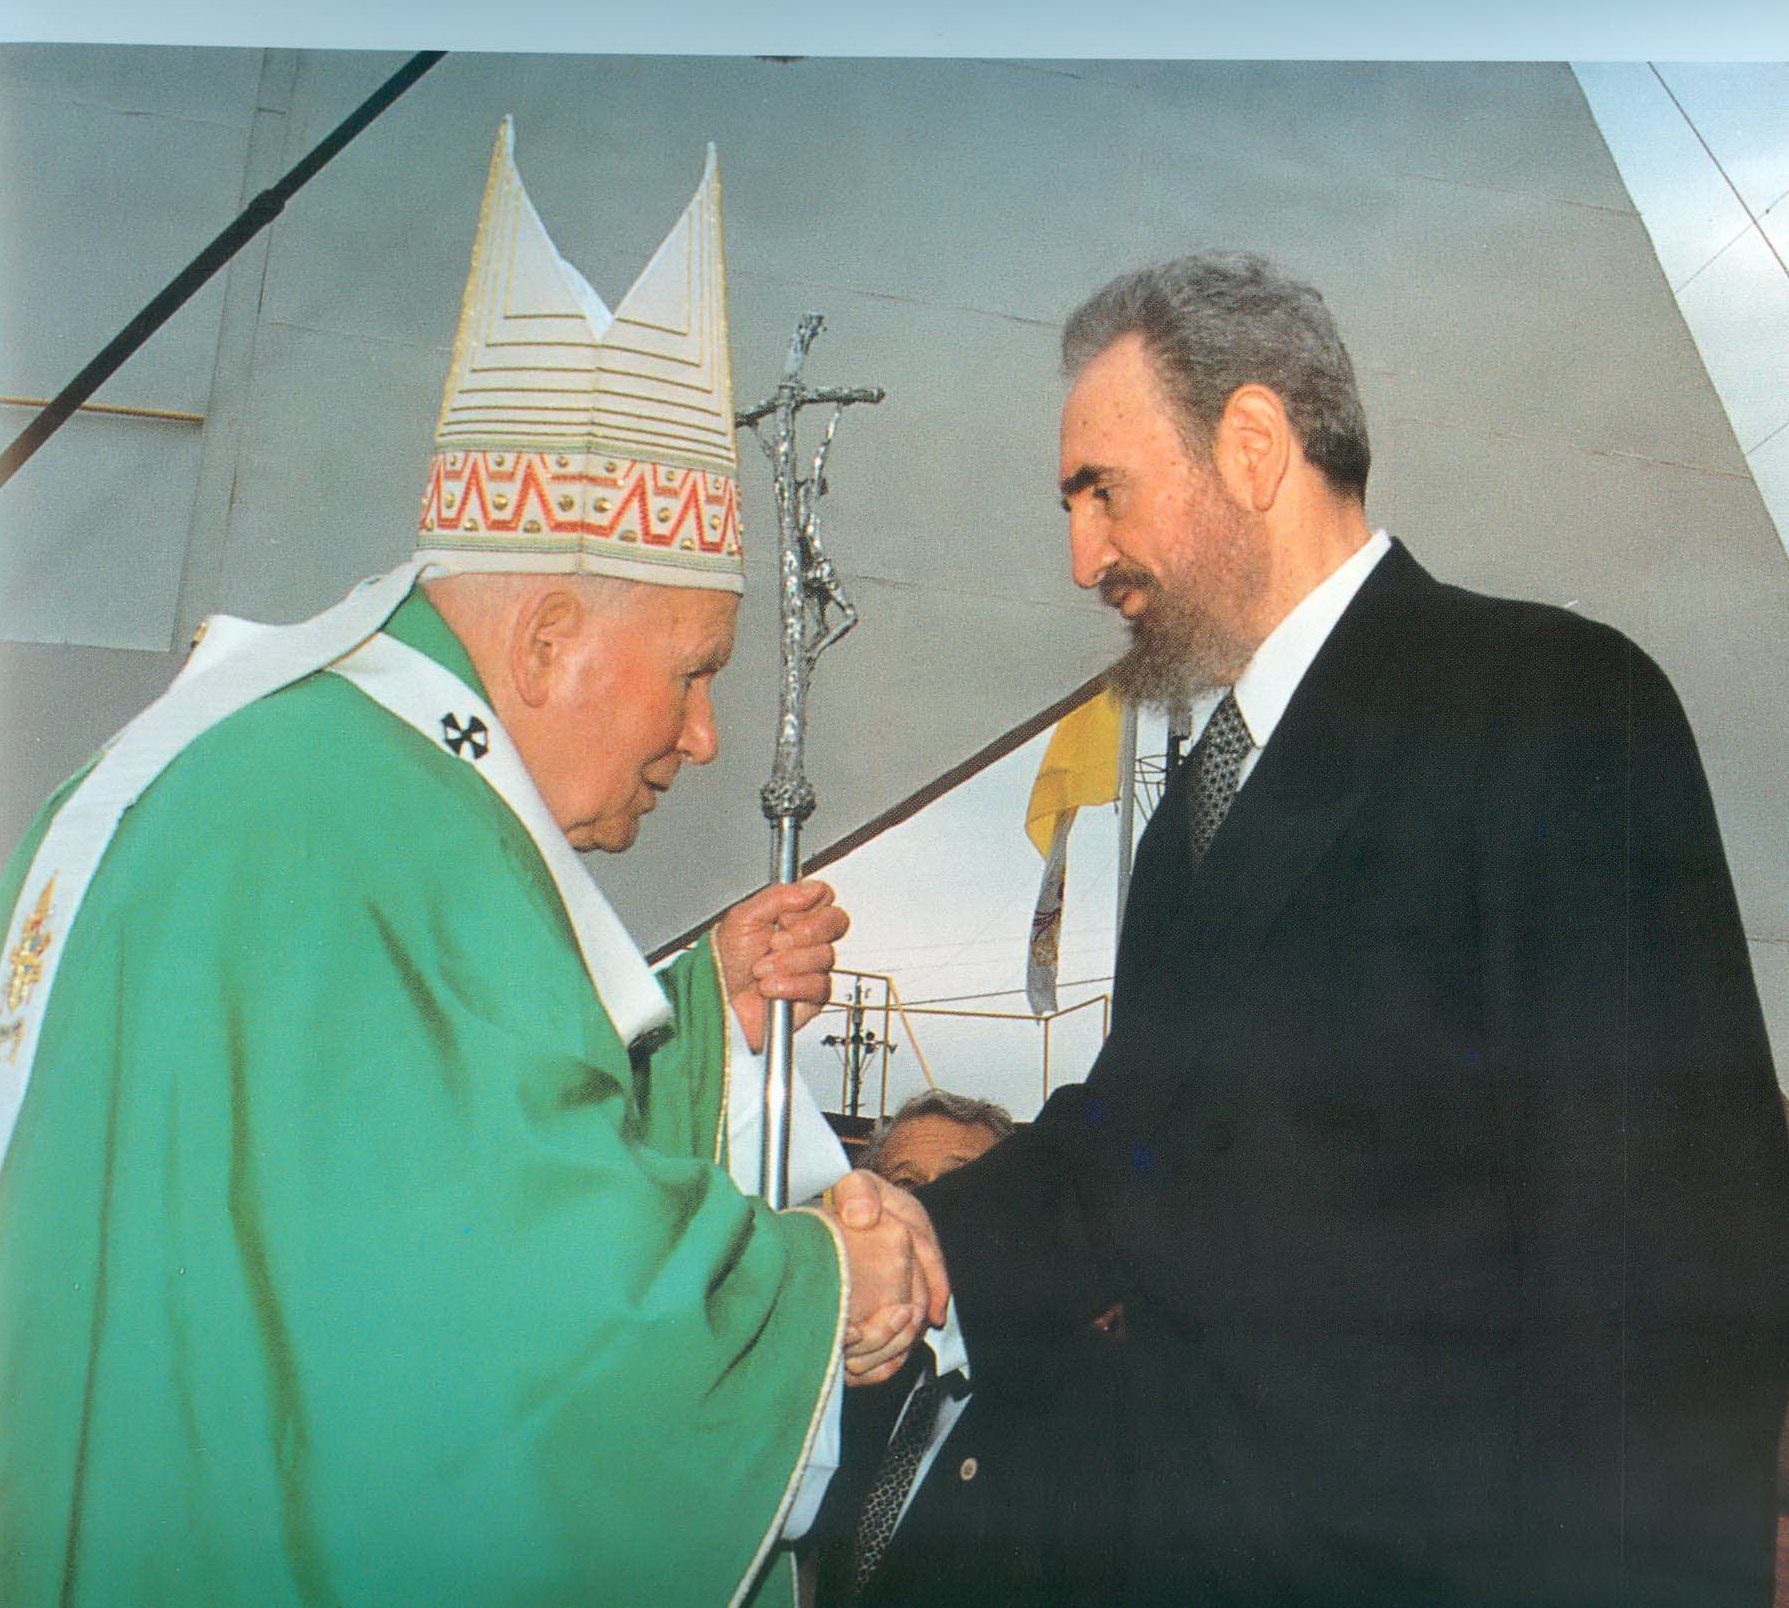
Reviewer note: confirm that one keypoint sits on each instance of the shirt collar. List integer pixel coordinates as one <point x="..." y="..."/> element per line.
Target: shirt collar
<point x="1266" y="685"/>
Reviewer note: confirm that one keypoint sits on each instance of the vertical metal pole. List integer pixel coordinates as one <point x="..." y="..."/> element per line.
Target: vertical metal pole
<point x="787" y="797"/>
<point x="1127" y="813"/>
<point x="809" y="588"/>
<point x="1180" y="726"/>
<point x="887" y="1037"/>
<point x="854" y="1039"/>
<point x="779" y="1039"/>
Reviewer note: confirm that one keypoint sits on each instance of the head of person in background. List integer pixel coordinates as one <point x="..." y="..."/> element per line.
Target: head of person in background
<point x="932" y="1134"/>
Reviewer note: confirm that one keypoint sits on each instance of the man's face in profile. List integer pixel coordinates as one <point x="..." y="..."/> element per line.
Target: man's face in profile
<point x="922" y="1148"/>
<point x="630" y="706"/>
<point x="1152" y="527"/>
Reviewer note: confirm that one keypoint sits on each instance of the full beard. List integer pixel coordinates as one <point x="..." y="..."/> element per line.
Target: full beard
<point x="1179" y="647"/>
<point x="1177" y="651"/>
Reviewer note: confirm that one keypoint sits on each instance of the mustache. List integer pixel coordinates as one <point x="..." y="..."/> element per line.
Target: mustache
<point x="1122" y="578"/>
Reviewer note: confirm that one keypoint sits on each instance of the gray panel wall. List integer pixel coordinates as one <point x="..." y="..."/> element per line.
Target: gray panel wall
<point x="1542" y="423"/>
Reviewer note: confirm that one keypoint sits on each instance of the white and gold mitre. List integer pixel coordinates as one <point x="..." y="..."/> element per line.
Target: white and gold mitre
<point x="573" y="438"/>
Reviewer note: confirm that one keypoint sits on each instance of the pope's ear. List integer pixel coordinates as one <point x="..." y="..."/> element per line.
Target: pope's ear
<point x="543" y="633"/>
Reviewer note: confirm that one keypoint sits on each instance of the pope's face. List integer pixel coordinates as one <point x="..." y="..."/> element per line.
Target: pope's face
<point x="631" y="702"/>
<point x="926" y="1147"/>
<point x="1152" y="527"/>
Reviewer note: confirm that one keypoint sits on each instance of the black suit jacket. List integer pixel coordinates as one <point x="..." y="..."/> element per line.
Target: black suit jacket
<point x="955" y="1546"/>
<point x="1435" y="1153"/>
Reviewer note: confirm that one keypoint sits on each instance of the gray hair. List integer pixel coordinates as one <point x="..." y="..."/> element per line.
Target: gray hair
<point x="963" y="1108"/>
<point x="1221" y="320"/>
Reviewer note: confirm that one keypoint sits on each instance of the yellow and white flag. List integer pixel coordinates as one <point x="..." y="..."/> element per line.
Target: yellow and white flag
<point x="1080" y="767"/>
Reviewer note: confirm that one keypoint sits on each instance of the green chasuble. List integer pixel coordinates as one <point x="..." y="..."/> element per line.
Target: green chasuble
<point x="347" y="1256"/>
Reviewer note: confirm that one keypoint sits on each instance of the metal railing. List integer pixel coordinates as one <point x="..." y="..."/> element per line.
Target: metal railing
<point x="867" y="1052"/>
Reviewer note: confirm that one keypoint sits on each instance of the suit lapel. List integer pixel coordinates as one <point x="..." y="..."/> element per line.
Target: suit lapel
<point x="1339" y="733"/>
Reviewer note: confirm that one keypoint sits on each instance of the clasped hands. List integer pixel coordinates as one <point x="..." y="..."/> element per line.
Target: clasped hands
<point x="778" y="944"/>
<point x="899" y="1288"/>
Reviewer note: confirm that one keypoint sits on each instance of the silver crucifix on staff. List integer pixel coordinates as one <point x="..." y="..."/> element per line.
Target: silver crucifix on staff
<point x="815" y="614"/>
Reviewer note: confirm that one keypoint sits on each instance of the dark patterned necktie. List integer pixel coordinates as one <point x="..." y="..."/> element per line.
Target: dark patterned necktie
<point x="1216" y="762"/>
<point x="894" y="1474"/>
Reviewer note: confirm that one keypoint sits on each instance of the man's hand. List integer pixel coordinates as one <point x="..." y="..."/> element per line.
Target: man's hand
<point x="881" y="1344"/>
<point x="778" y="944"/>
<point x="898" y="1282"/>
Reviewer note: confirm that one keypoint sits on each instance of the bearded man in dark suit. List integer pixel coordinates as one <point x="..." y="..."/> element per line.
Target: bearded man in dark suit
<point x="1434" y="1161"/>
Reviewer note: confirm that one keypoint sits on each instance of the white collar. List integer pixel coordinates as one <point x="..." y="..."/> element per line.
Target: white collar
<point x="1268" y="681"/>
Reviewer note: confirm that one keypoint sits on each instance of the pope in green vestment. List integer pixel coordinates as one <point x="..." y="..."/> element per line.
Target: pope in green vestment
<point x="347" y="1255"/>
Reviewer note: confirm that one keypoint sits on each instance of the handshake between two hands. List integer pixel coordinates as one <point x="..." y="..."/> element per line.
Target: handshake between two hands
<point x="778" y="944"/>
<point x="899" y="1288"/>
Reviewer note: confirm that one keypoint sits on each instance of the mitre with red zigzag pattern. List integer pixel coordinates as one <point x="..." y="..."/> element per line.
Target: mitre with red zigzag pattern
<point x="576" y="439"/>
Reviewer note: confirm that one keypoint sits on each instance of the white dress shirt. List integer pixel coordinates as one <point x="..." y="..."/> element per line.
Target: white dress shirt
<point x="1267" y="683"/>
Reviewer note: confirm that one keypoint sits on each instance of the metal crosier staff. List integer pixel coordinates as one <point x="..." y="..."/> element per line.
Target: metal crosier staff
<point x="810" y="593"/>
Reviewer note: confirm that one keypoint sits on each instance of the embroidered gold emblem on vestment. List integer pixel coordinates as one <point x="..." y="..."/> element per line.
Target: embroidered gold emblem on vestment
<point x="28" y="953"/>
